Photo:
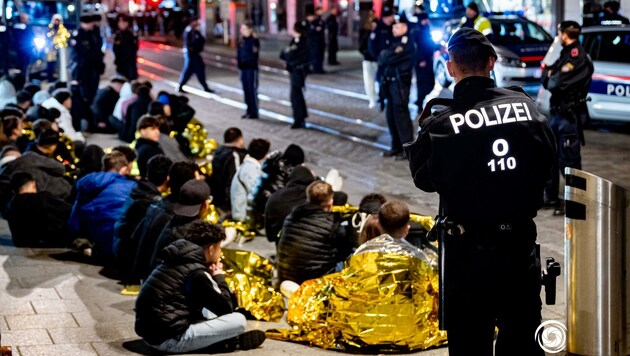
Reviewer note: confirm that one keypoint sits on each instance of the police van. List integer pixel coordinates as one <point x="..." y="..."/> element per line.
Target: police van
<point x="609" y="48"/>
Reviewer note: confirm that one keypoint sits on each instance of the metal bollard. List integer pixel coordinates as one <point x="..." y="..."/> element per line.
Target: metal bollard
<point x="597" y="226"/>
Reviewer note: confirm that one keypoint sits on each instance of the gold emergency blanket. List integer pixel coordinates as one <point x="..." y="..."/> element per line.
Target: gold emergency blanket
<point x="384" y="299"/>
<point x="249" y="276"/>
<point x="196" y="134"/>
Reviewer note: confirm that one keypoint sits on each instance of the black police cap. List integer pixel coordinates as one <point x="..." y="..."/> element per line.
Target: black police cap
<point x="467" y="37"/>
<point x="310" y="9"/>
<point x="473" y="6"/>
<point x="569" y="25"/>
<point x="402" y="18"/>
<point x="387" y="11"/>
<point x="85" y="18"/>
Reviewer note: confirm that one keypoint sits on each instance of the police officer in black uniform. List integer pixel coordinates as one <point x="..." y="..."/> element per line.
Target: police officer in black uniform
<point x="316" y="38"/>
<point x="125" y="49"/>
<point x="86" y="58"/>
<point x="488" y="155"/>
<point x="425" y="47"/>
<point x="568" y="80"/>
<point x="247" y="54"/>
<point x="333" y="32"/>
<point x="396" y="63"/>
<point x="381" y="37"/>
<point x="194" y="43"/>
<point x="611" y="16"/>
<point x="297" y="58"/>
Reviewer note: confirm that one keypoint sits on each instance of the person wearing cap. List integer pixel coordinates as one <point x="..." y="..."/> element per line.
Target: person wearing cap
<point x="186" y="305"/>
<point x="474" y="20"/>
<point x="192" y="205"/>
<point x="488" y="155"/>
<point x="104" y="104"/>
<point x="47" y="171"/>
<point x="397" y="62"/>
<point x="99" y="203"/>
<point x="568" y="80"/>
<point x="194" y="43"/>
<point x="86" y="58"/>
<point x="425" y="48"/>
<point x="381" y="37"/>
<point x="316" y="33"/>
<point x="247" y="53"/>
<point x="611" y="16"/>
<point x="296" y="56"/>
<point x="125" y="48"/>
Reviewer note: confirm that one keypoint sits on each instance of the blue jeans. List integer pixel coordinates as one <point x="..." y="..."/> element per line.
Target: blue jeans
<point x="206" y="333"/>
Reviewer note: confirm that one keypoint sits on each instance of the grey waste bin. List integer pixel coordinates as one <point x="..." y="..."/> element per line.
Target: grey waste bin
<point x="597" y="226"/>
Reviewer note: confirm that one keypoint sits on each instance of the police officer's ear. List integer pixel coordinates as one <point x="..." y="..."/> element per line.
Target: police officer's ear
<point x="491" y="61"/>
<point x="449" y="68"/>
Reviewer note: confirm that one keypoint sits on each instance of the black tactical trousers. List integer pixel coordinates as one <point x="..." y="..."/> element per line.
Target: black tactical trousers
<point x="493" y="279"/>
<point x="298" y="104"/>
<point x="397" y="112"/>
<point x="249" y="81"/>
<point x="565" y="129"/>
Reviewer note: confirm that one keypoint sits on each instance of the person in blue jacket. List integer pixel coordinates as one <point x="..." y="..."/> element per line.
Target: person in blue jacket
<point x="100" y="199"/>
<point x="247" y="58"/>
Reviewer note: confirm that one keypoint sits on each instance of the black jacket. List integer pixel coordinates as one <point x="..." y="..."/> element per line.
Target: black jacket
<point x="284" y="200"/>
<point x="135" y="209"/>
<point x="571" y="75"/>
<point x="194" y="42"/>
<point x="134" y="112"/>
<point x="147" y="233"/>
<point x="488" y="155"/>
<point x="397" y="61"/>
<point x="125" y="48"/>
<point x="247" y="53"/>
<point x="176" y="229"/>
<point x="224" y="164"/>
<point x="48" y="173"/>
<point x="276" y="171"/>
<point x="146" y="149"/>
<point x="175" y="293"/>
<point x="364" y="38"/>
<point x="297" y="55"/>
<point x="104" y="103"/>
<point x="51" y="214"/>
<point x="309" y="244"/>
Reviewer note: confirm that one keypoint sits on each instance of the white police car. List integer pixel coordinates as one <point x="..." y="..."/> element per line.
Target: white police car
<point x="609" y="48"/>
<point x="520" y="44"/>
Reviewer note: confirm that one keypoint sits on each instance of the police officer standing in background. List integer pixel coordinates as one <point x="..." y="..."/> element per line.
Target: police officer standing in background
<point x="98" y="39"/>
<point x="488" y="156"/>
<point x="568" y="80"/>
<point x="297" y="58"/>
<point x="194" y="43"/>
<point x="425" y="76"/>
<point x="86" y="58"/>
<point x="247" y="54"/>
<point x="381" y="37"/>
<point x="333" y="32"/>
<point x="125" y="48"/>
<point x="316" y="38"/>
<point x="476" y="21"/>
<point x="397" y="62"/>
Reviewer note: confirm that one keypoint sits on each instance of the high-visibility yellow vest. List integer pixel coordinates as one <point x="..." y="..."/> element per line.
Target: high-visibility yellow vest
<point x="481" y="24"/>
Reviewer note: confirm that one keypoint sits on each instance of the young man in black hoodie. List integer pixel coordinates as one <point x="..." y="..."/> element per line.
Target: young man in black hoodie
<point x="247" y="58"/>
<point x="104" y="103"/>
<point x="51" y="229"/>
<point x="225" y="162"/>
<point x="185" y="305"/>
<point x="148" y="145"/>
<point x="148" y="191"/>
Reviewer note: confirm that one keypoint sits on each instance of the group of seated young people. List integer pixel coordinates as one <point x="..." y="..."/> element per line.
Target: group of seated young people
<point x="152" y="226"/>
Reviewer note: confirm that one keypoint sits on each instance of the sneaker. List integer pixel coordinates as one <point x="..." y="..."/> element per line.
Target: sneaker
<point x="287" y="288"/>
<point x="208" y="90"/>
<point x="298" y="126"/>
<point x="250" y="340"/>
<point x="372" y="104"/>
<point x="181" y="90"/>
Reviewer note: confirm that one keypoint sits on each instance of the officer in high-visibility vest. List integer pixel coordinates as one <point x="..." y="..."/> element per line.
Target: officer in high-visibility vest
<point x="474" y="20"/>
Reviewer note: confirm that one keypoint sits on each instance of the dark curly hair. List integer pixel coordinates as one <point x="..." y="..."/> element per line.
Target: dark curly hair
<point x="203" y="233"/>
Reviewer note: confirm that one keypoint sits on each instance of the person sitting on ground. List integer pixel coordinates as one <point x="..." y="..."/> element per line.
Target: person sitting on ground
<point x="136" y="109"/>
<point x="368" y="209"/>
<point x="148" y="191"/>
<point x="62" y="101"/>
<point x="48" y="172"/>
<point x="393" y="221"/>
<point x="157" y="217"/>
<point x="170" y="145"/>
<point x="37" y="111"/>
<point x="185" y="305"/>
<point x="23" y="100"/>
<point x="148" y="145"/>
<point x="192" y="205"/>
<point x="100" y="199"/>
<point x="370" y="229"/>
<point x="91" y="160"/>
<point x="8" y="154"/>
<point x="225" y="162"/>
<point x="81" y="112"/>
<point x="130" y="154"/>
<point x="276" y="170"/>
<point x="12" y="128"/>
<point x="105" y="102"/>
<point x="281" y="203"/>
<point x="51" y="229"/>
<point x="246" y="177"/>
<point x="128" y="94"/>
<point x="62" y="153"/>
<point x="311" y="239"/>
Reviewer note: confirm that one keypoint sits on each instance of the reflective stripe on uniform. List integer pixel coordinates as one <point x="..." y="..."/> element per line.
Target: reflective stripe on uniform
<point x="483" y="25"/>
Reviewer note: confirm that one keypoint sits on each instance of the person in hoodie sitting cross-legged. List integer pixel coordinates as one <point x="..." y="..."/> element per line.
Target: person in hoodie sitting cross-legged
<point x="100" y="199"/>
<point x="185" y="305"/>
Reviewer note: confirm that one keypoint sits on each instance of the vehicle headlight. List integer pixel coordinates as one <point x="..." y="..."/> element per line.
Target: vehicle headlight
<point x="437" y="35"/>
<point x="39" y="42"/>
<point x="512" y="62"/>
